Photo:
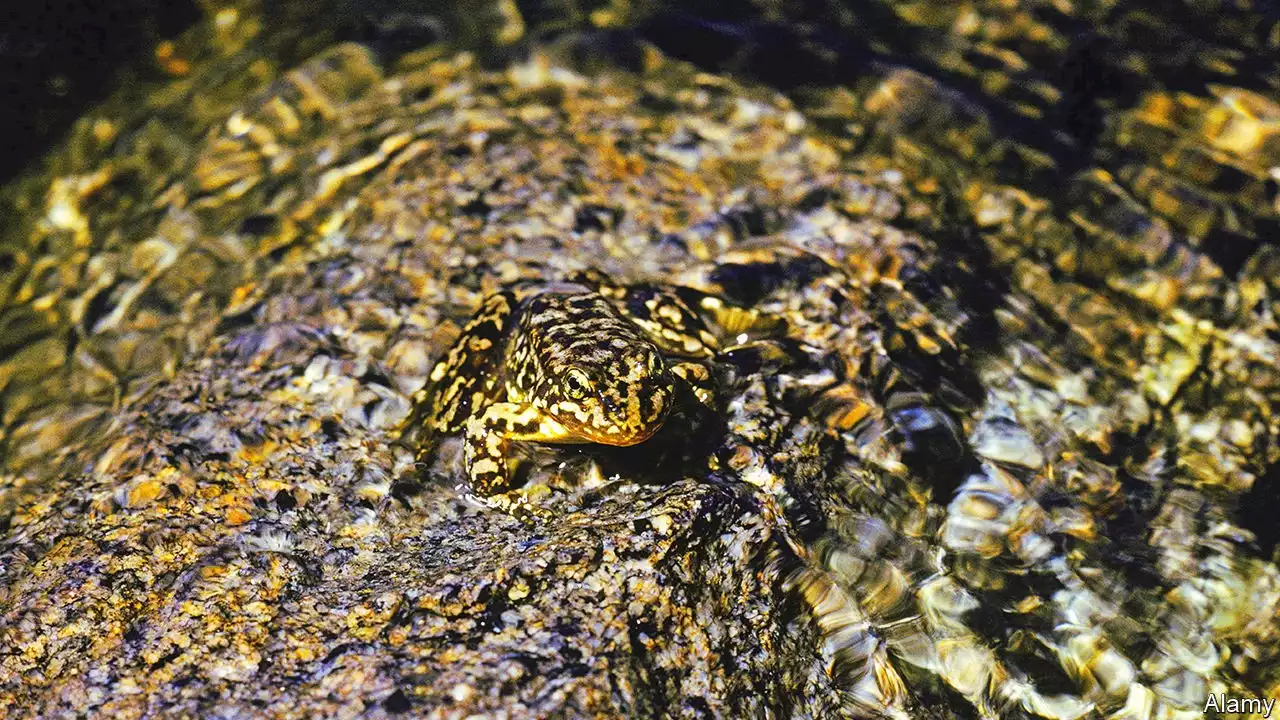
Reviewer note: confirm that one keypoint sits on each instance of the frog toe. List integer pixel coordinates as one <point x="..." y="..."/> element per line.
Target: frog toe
<point x="515" y="503"/>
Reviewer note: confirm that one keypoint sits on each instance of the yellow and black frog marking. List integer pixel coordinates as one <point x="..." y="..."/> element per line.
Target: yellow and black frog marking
<point x="583" y="361"/>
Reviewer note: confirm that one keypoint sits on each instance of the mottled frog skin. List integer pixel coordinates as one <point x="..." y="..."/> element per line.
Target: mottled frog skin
<point x="580" y="361"/>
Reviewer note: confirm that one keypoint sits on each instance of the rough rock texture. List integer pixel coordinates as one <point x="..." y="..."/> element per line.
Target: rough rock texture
<point x="997" y="421"/>
<point x="256" y="542"/>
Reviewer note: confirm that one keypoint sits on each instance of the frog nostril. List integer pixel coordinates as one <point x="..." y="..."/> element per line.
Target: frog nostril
<point x="611" y="404"/>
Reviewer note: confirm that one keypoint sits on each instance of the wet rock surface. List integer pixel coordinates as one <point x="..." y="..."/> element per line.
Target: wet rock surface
<point x="986" y="446"/>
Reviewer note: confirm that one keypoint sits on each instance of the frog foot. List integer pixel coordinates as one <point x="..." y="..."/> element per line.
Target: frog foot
<point x="517" y="503"/>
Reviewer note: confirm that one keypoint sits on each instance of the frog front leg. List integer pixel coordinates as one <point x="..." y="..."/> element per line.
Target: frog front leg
<point x="463" y="380"/>
<point x="487" y="444"/>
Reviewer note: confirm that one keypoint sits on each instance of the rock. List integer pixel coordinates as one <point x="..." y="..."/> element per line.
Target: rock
<point x="350" y="597"/>
<point x="994" y="394"/>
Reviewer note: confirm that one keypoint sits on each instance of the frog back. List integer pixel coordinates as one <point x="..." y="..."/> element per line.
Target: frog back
<point x="562" y="329"/>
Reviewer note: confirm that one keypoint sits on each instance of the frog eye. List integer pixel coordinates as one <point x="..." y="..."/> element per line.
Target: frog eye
<point x="576" y="384"/>
<point x="655" y="363"/>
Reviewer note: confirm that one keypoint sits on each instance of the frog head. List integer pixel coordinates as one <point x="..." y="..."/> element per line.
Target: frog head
<point x="620" y="397"/>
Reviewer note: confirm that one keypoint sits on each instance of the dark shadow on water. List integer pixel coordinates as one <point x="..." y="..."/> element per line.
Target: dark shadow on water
<point x="59" y="57"/>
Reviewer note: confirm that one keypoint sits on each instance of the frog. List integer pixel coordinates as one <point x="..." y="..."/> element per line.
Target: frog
<point x="584" y="359"/>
